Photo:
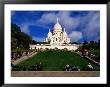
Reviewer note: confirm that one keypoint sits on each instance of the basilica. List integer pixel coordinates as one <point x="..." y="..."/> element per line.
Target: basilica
<point x="57" y="36"/>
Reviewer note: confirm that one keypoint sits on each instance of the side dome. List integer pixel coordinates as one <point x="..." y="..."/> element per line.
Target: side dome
<point x="49" y="33"/>
<point x="64" y="33"/>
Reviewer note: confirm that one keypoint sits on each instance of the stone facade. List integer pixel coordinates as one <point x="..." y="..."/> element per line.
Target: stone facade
<point x="57" y="36"/>
<point x="43" y="47"/>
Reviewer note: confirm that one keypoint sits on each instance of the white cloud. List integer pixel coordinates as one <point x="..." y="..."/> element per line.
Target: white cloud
<point x="75" y="36"/>
<point x="70" y="23"/>
<point x="89" y="24"/>
<point x="25" y="28"/>
<point x="92" y="28"/>
<point x="47" y="18"/>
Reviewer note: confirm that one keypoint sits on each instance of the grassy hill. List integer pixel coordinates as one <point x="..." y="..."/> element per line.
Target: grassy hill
<point x="55" y="60"/>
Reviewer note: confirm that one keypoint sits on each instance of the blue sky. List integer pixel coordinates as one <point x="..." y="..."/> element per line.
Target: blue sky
<point x="79" y="25"/>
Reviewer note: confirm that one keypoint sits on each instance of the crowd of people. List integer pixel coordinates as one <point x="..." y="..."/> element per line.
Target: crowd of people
<point x="39" y="67"/>
<point x="69" y="67"/>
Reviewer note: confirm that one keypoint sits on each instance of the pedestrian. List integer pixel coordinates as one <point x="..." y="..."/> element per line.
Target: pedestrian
<point x="67" y="67"/>
<point x="90" y="66"/>
<point x="40" y="66"/>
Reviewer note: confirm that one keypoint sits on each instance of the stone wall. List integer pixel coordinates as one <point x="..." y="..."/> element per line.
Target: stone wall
<point x="68" y="47"/>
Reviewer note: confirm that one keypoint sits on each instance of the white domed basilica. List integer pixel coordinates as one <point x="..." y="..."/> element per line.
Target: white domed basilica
<point x="57" y="36"/>
<point x="56" y="39"/>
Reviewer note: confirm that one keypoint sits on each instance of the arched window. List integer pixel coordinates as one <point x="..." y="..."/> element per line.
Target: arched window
<point x="60" y="34"/>
<point x="56" y="39"/>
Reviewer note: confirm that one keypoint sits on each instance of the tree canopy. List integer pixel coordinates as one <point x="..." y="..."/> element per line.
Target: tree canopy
<point x="19" y="39"/>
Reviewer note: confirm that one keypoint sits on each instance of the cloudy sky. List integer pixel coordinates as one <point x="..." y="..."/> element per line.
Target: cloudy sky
<point x="79" y="25"/>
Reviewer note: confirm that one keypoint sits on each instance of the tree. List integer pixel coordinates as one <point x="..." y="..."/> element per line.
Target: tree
<point x="85" y="42"/>
<point x="18" y="38"/>
<point x="98" y="44"/>
<point x="34" y="42"/>
<point x="13" y="43"/>
<point x="85" y="45"/>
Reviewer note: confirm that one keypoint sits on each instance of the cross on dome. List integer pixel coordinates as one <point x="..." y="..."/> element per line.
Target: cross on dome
<point x="57" y="20"/>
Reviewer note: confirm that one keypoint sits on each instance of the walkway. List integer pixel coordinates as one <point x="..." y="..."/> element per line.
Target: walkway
<point x="79" y="53"/>
<point x="55" y="73"/>
<point x="23" y="58"/>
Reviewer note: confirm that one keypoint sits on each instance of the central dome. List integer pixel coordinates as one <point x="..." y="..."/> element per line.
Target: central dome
<point x="57" y="27"/>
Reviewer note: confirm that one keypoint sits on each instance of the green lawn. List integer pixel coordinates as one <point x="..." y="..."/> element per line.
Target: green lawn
<point x="96" y="52"/>
<point x="55" y="60"/>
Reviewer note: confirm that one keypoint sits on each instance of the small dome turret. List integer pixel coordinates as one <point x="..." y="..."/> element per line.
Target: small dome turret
<point x="64" y="33"/>
<point x="49" y="33"/>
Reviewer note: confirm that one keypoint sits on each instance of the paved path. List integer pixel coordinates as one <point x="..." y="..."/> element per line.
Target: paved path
<point x="23" y="58"/>
<point x="88" y="58"/>
<point x="55" y="73"/>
